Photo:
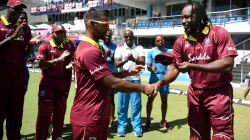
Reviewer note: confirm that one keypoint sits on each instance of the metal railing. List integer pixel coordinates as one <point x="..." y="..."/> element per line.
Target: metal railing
<point x="217" y="18"/>
<point x="245" y="69"/>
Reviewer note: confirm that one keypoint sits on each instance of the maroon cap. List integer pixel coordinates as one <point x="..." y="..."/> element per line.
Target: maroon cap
<point x="56" y="28"/>
<point x="165" y="58"/>
<point x="16" y="3"/>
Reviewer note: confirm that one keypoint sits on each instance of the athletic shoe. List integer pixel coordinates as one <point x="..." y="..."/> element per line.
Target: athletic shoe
<point x="65" y="126"/>
<point x="23" y="137"/>
<point x="147" y="126"/>
<point x="121" y="134"/>
<point x="138" y="134"/>
<point x="165" y="125"/>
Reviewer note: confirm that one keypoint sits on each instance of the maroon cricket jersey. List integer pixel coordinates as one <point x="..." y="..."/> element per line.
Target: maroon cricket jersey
<point x="13" y="52"/>
<point x="92" y="101"/>
<point x="47" y="52"/>
<point x="215" y="44"/>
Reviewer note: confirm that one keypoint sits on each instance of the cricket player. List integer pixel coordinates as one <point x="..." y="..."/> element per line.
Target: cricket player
<point x="110" y="48"/>
<point x="207" y="53"/>
<point x="53" y="57"/>
<point x="157" y="72"/>
<point x="14" y="38"/>
<point x="90" y="112"/>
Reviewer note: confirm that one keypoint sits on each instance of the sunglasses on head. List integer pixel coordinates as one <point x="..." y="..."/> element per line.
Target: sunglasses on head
<point x="104" y="24"/>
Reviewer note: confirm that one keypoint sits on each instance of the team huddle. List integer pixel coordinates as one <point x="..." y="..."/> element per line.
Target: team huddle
<point x="103" y="68"/>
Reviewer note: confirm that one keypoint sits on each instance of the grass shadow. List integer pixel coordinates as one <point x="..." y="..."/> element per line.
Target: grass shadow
<point x="155" y="126"/>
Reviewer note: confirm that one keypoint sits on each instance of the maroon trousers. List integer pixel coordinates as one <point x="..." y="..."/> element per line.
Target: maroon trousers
<point x="211" y="108"/>
<point x="90" y="132"/>
<point x="12" y="85"/>
<point x="53" y="93"/>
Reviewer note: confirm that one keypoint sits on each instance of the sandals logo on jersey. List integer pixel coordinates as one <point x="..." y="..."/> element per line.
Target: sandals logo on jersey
<point x="92" y="138"/>
<point x="96" y="70"/>
<point x="197" y="58"/>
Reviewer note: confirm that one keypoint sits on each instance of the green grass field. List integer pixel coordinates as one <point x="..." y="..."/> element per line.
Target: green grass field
<point x="176" y="116"/>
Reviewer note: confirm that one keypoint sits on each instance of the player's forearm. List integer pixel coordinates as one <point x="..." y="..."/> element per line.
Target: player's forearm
<point x="119" y="64"/>
<point x="121" y="74"/>
<point x="139" y="62"/>
<point x="47" y="64"/>
<point x="149" y="67"/>
<point x="170" y="76"/>
<point x="124" y="86"/>
<point x="218" y="66"/>
<point x="5" y="41"/>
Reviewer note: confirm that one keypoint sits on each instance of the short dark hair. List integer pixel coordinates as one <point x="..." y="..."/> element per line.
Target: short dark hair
<point x="201" y="14"/>
<point x="24" y="13"/>
<point x="94" y="14"/>
<point x="159" y="35"/>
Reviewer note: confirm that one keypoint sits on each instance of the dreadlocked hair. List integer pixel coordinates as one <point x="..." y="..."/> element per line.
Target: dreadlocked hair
<point x="201" y="14"/>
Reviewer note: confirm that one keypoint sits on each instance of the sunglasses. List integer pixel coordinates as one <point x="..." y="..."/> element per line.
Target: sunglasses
<point x="104" y="24"/>
<point x="159" y="40"/>
<point x="128" y="37"/>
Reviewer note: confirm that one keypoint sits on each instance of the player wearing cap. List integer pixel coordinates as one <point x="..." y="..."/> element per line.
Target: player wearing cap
<point x="157" y="72"/>
<point x="207" y="53"/>
<point x="53" y="57"/>
<point x="14" y="38"/>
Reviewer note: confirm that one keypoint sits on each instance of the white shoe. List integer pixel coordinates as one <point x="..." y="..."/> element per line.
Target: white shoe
<point x="50" y="129"/>
<point x="65" y="126"/>
<point x="59" y="138"/>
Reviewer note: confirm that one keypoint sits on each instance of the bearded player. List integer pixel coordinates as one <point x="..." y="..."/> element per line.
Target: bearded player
<point x="207" y="53"/>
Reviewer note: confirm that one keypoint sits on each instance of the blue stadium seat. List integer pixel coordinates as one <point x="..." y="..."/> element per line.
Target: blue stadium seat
<point x="157" y="24"/>
<point x="213" y="20"/>
<point x="239" y="19"/>
<point x="232" y="20"/>
<point x="218" y="21"/>
<point x="170" y="23"/>
<point x="151" y="24"/>
<point x="164" y="24"/>
<point x="144" y="25"/>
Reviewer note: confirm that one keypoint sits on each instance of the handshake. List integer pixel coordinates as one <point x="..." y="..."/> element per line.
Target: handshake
<point x="150" y="90"/>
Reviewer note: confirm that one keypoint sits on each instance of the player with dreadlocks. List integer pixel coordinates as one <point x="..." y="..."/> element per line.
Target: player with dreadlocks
<point x="207" y="53"/>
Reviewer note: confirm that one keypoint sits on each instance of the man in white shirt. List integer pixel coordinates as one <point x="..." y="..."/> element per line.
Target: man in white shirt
<point x="128" y="55"/>
<point x="248" y="88"/>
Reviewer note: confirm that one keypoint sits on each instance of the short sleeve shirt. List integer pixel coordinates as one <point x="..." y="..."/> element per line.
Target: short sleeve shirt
<point x="112" y="46"/>
<point x="92" y="102"/>
<point x="124" y="51"/>
<point x="47" y="52"/>
<point x="215" y="45"/>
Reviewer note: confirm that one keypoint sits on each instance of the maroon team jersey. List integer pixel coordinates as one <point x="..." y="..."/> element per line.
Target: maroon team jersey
<point x="213" y="44"/>
<point x="91" y="103"/>
<point x="48" y="51"/>
<point x="13" y="52"/>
